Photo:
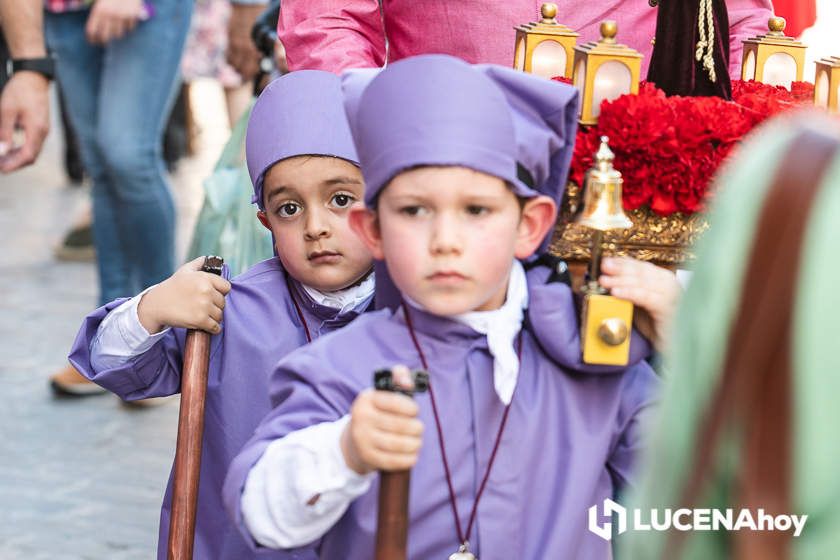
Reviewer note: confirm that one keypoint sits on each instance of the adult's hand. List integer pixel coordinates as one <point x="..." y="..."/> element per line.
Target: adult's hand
<point x="654" y="290"/>
<point x="113" y="19"/>
<point x="242" y="54"/>
<point x="24" y="106"/>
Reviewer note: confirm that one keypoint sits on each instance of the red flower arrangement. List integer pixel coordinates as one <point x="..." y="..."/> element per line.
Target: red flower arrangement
<point x="669" y="148"/>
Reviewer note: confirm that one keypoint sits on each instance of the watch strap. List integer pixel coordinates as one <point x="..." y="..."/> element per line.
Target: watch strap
<point x="44" y="65"/>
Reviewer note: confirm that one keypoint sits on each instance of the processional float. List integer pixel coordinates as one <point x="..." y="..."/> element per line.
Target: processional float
<point x="690" y="59"/>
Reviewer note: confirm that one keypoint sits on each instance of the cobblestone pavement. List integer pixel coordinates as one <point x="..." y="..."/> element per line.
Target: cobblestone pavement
<point x="79" y="478"/>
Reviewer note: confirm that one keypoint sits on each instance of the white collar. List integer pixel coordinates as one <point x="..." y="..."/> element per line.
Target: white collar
<point x="501" y="327"/>
<point x="346" y="299"/>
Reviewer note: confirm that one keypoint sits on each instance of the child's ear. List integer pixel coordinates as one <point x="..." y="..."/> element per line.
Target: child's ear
<point x="366" y="225"/>
<point x="539" y="215"/>
<point x="263" y="220"/>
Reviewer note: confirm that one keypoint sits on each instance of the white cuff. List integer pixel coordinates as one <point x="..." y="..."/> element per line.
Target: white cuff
<point x="300" y="487"/>
<point x="684" y="277"/>
<point x="121" y="336"/>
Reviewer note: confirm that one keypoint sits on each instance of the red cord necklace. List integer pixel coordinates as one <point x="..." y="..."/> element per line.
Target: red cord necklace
<point x="298" y="309"/>
<point x="463" y="537"/>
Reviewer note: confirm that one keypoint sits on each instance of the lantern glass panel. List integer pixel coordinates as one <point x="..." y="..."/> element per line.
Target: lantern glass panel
<point x="612" y="79"/>
<point x="580" y="75"/>
<point x="780" y="70"/>
<point x="549" y="59"/>
<point x="822" y="86"/>
<point x="749" y="66"/>
<point x="519" y="58"/>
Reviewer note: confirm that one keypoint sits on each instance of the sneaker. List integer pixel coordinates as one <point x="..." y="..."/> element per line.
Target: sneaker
<point x="77" y="245"/>
<point x="69" y="382"/>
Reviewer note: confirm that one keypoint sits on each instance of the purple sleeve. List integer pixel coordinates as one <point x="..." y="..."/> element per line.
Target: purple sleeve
<point x="641" y="389"/>
<point x="155" y="373"/>
<point x="747" y="18"/>
<point x="305" y="390"/>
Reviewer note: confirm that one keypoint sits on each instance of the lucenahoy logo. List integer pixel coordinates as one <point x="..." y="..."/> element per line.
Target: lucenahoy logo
<point x="685" y="519"/>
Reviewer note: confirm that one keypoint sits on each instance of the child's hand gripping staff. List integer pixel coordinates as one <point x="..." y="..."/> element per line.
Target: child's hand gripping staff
<point x="190" y="435"/>
<point x="385" y="434"/>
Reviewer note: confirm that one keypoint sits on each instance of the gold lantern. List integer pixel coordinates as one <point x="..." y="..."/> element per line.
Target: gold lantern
<point x="605" y="70"/>
<point x="774" y="59"/>
<point x="545" y="48"/>
<point x="606" y="320"/>
<point x="827" y="84"/>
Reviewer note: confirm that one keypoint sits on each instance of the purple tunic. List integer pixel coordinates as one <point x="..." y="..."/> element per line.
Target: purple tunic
<point x="572" y="437"/>
<point x="260" y="326"/>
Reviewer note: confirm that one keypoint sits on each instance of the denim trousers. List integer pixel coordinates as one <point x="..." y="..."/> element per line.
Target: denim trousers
<point x="118" y="97"/>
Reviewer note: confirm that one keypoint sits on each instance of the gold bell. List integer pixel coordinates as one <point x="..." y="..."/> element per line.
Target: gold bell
<point x="602" y="206"/>
<point x="606" y="321"/>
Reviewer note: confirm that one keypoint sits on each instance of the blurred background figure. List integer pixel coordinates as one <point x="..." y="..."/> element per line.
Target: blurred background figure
<point x="204" y="56"/>
<point x="24" y="107"/>
<point x="335" y="35"/>
<point x="118" y="65"/>
<point x="226" y="224"/>
<point x="241" y="52"/>
<point x="749" y="419"/>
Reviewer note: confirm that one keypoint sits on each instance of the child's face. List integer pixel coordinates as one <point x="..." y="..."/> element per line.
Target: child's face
<point x="449" y="236"/>
<point x="307" y="200"/>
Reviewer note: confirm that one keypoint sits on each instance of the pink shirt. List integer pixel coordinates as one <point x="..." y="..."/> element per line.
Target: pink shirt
<point x="335" y="35"/>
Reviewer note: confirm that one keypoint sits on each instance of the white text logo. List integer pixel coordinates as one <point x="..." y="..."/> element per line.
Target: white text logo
<point x="685" y="519"/>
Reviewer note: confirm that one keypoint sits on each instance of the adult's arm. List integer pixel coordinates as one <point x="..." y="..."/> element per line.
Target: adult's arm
<point x="747" y="18"/>
<point x="22" y="24"/>
<point x="24" y="103"/>
<point x="241" y="53"/>
<point x="332" y="35"/>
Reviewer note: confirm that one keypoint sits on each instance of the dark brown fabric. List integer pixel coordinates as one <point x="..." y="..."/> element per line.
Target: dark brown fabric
<point x="753" y="397"/>
<point x="673" y="64"/>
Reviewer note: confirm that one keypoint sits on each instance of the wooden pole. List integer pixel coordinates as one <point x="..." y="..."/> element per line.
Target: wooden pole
<point x="392" y="519"/>
<point x="190" y="437"/>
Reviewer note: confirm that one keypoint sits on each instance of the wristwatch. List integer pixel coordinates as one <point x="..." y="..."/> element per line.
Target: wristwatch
<point x="44" y="66"/>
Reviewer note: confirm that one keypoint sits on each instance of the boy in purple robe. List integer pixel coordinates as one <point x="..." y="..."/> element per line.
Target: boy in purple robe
<point x="306" y="180"/>
<point x="517" y="438"/>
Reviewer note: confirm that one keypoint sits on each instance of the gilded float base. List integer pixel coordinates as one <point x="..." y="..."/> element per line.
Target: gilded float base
<point x="663" y="240"/>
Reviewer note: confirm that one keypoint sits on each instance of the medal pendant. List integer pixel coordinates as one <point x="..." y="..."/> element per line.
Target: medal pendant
<point x="463" y="554"/>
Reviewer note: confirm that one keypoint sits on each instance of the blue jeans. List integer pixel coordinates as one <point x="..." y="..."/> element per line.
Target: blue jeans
<point x="118" y="99"/>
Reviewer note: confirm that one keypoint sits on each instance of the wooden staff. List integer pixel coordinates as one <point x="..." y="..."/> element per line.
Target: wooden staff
<point x="190" y="436"/>
<point x="392" y="517"/>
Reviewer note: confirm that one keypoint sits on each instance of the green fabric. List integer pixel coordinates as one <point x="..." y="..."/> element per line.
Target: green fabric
<point x="700" y="340"/>
<point x="227" y="224"/>
<point x="817" y="378"/>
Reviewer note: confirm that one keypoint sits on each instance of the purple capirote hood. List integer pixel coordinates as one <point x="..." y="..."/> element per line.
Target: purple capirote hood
<point x="301" y="113"/>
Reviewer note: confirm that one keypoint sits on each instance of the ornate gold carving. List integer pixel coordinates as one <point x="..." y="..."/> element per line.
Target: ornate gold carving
<point x="663" y="240"/>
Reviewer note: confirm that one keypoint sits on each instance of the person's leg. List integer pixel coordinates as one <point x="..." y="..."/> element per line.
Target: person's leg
<point x="139" y="80"/>
<point x="175" y="134"/>
<point x="72" y="158"/>
<point x="79" y="69"/>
